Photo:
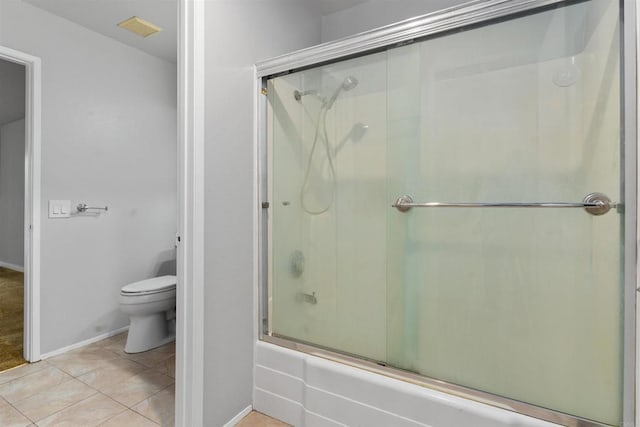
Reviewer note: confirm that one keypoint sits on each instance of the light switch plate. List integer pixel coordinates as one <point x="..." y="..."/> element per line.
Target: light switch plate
<point x="59" y="208"/>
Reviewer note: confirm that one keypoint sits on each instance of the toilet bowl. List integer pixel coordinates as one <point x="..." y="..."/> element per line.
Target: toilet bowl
<point x="150" y="305"/>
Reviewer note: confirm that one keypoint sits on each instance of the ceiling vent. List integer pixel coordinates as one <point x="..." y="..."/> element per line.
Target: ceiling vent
<point x="139" y="26"/>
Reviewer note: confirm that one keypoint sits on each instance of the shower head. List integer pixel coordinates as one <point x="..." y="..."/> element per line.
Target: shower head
<point x="348" y="83"/>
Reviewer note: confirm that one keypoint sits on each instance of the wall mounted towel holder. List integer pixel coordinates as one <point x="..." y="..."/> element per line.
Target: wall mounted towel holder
<point x="82" y="207"/>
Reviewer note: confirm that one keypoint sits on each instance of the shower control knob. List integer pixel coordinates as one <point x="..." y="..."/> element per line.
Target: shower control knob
<point x="296" y="263"/>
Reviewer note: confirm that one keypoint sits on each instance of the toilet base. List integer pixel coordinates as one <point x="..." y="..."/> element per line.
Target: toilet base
<point x="148" y="332"/>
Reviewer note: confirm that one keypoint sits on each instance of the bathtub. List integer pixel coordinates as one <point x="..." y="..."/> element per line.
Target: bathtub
<point x="308" y="391"/>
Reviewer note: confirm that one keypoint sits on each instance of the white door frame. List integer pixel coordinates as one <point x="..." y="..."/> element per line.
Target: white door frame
<point x="190" y="237"/>
<point x="33" y="107"/>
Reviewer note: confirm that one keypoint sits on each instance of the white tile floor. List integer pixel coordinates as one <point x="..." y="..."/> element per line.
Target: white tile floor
<point x="97" y="385"/>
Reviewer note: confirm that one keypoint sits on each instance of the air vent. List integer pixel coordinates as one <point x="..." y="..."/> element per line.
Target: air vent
<point x="139" y="26"/>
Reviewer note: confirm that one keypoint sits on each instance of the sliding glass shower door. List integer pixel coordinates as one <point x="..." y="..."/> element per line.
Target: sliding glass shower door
<point x="452" y="208"/>
<point x="523" y="301"/>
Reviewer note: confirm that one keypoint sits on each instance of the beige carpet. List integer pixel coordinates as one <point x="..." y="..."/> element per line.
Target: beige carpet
<point x="11" y="318"/>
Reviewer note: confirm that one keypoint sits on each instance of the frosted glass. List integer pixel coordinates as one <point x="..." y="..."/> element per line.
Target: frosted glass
<point x="328" y="252"/>
<point x="523" y="303"/>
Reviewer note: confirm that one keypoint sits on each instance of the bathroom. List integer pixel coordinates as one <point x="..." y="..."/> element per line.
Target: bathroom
<point x="218" y="215"/>
<point x="106" y="115"/>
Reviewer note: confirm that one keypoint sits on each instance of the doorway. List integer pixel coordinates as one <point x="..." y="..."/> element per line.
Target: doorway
<point x="12" y="192"/>
<point x="20" y="201"/>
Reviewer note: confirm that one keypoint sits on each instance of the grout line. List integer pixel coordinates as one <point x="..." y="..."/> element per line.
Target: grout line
<point x="143" y="369"/>
<point x="143" y="416"/>
<point x="119" y="413"/>
<point x="63" y="369"/>
<point x="17" y="410"/>
<point x="158" y="392"/>
<point x="96" y="388"/>
<point x="116" y="415"/>
<point x="159" y="368"/>
<point x="138" y="375"/>
<point x="39" y="391"/>
<point x="24" y="375"/>
<point x="23" y="414"/>
<point x="61" y="409"/>
<point x="47" y="389"/>
<point x="90" y="370"/>
<point x="111" y="398"/>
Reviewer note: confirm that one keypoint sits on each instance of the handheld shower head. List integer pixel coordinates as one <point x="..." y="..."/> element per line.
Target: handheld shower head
<point x="348" y="83"/>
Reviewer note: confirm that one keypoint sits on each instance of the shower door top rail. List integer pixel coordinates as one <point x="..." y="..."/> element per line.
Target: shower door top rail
<point x="594" y="203"/>
<point x="403" y="32"/>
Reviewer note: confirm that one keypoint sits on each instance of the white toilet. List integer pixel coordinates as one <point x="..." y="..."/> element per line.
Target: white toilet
<point x="150" y="305"/>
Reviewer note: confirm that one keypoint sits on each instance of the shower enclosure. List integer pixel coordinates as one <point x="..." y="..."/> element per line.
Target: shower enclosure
<point x="457" y="207"/>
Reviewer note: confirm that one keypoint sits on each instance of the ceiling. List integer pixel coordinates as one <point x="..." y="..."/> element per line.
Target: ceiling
<point x="12" y="91"/>
<point x="103" y="15"/>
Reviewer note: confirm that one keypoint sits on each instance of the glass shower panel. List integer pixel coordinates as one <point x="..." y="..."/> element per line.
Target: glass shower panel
<point x="328" y="257"/>
<point x="523" y="302"/>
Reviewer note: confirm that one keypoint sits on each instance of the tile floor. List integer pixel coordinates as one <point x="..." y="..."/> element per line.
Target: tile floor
<point x="256" y="419"/>
<point x="97" y="385"/>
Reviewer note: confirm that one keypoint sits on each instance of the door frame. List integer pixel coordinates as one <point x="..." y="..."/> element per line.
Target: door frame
<point x="33" y="108"/>
<point x="189" y="401"/>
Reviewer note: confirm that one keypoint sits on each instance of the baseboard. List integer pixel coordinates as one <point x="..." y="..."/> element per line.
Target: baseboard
<point x="235" y="420"/>
<point x="13" y="267"/>
<point x="83" y="343"/>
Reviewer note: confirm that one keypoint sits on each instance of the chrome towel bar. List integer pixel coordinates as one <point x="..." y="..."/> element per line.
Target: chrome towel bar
<point x="82" y="207"/>
<point x="594" y="203"/>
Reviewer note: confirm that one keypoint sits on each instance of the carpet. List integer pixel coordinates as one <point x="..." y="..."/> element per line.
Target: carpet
<point x="11" y="318"/>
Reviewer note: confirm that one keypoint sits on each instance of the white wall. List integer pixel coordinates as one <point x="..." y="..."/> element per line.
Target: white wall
<point x="108" y="138"/>
<point x="12" y="194"/>
<point x="377" y="13"/>
<point x="238" y="33"/>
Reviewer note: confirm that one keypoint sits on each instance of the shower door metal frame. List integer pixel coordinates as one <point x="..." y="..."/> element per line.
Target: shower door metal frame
<point x="474" y="12"/>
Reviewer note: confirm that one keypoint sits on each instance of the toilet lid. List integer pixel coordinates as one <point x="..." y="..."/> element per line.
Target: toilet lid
<point x="156" y="284"/>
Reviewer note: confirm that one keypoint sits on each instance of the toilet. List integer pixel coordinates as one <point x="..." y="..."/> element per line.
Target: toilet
<point x="150" y="305"/>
